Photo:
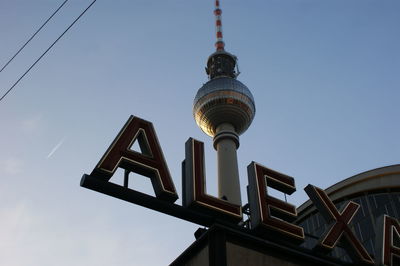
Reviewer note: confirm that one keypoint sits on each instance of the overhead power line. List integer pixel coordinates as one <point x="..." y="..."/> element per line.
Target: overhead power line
<point x="48" y="49"/>
<point x="33" y="36"/>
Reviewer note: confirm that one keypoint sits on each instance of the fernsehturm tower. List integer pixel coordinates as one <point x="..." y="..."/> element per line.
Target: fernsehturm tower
<point x="224" y="108"/>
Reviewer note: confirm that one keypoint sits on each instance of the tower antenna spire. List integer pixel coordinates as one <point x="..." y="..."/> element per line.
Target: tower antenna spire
<point x="219" y="44"/>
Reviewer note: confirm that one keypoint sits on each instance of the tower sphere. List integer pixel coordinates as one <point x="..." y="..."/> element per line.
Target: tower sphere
<point x="223" y="100"/>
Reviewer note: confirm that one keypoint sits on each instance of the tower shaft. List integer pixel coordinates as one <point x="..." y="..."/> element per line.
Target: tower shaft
<point x="226" y="142"/>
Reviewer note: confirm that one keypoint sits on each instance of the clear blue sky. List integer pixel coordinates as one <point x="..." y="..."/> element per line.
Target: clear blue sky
<point x="325" y="76"/>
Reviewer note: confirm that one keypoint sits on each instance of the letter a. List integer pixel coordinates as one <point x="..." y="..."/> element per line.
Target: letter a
<point x="150" y="162"/>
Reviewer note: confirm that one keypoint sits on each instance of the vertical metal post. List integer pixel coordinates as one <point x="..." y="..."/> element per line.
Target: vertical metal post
<point x="126" y="178"/>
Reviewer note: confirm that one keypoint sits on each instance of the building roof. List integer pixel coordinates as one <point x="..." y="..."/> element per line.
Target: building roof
<point x="374" y="180"/>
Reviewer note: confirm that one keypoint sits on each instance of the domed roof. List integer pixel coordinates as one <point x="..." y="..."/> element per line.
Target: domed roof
<point x="378" y="179"/>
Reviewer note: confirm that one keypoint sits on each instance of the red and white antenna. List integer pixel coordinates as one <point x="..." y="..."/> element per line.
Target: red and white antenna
<point x="218" y="27"/>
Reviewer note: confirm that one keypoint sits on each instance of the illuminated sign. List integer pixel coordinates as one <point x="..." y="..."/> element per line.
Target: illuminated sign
<point x="387" y="253"/>
<point x="268" y="213"/>
<point x="339" y="229"/>
<point x="270" y="217"/>
<point x="194" y="186"/>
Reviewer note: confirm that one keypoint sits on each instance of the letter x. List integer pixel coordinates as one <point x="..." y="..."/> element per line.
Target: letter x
<point x="339" y="225"/>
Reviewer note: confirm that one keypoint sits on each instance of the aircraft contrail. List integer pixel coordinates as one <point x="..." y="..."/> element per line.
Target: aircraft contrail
<point x="56" y="148"/>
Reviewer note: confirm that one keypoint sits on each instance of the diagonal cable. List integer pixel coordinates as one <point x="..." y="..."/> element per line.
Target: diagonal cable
<point x="33" y="36"/>
<point x="45" y="52"/>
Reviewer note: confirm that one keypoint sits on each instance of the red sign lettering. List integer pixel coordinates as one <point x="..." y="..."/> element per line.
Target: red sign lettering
<point x="269" y="213"/>
<point x="194" y="186"/>
<point x="387" y="253"/>
<point x="339" y="225"/>
<point x="150" y="162"/>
